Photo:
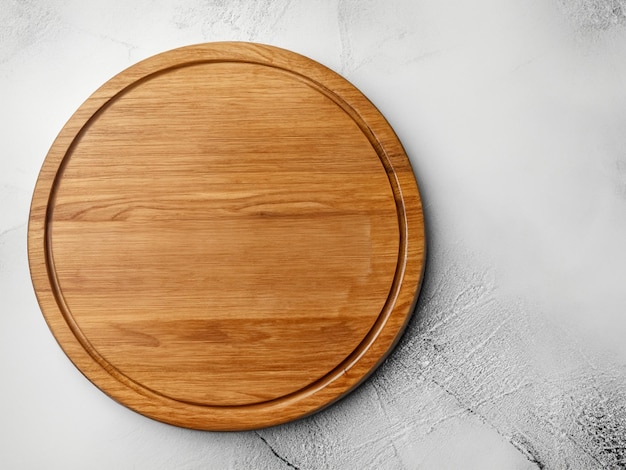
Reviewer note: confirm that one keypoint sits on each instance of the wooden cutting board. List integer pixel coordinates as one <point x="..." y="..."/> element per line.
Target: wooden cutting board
<point x="226" y="236"/>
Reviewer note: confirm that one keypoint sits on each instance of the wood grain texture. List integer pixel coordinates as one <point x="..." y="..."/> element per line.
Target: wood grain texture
<point x="226" y="236"/>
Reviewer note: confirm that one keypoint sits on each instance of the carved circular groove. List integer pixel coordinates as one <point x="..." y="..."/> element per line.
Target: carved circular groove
<point x="226" y="236"/>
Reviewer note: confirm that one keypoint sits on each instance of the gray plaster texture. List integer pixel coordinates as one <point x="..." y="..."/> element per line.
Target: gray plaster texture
<point x="514" y="116"/>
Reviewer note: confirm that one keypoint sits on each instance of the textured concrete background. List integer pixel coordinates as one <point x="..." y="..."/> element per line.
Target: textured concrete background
<point x="513" y="113"/>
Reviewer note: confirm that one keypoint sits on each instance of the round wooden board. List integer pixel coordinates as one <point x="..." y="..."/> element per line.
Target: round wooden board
<point x="226" y="236"/>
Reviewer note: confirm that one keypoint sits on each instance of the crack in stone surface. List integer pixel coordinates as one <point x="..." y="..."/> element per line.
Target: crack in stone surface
<point x="283" y="459"/>
<point x="524" y="448"/>
<point x="527" y="450"/>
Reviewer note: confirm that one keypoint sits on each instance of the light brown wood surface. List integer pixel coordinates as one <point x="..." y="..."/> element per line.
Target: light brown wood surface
<point x="226" y="236"/>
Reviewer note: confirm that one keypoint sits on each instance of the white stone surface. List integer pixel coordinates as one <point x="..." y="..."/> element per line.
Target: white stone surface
<point x="514" y="116"/>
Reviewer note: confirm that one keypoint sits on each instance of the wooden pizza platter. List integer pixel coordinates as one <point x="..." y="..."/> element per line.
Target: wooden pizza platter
<point x="226" y="236"/>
